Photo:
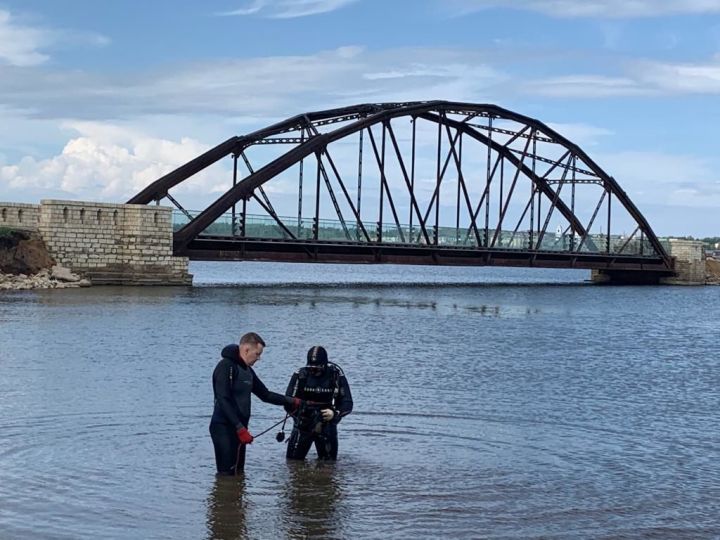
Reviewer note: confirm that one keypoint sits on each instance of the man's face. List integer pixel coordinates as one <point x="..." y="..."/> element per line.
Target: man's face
<point x="250" y="353"/>
<point x="317" y="371"/>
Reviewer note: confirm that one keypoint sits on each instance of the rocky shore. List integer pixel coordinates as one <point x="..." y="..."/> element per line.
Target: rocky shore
<point x="26" y="264"/>
<point x="57" y="277"/>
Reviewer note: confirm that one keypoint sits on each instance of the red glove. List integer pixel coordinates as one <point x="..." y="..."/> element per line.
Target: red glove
<point x="244" y="436"/>
<point x="296" y="403"/>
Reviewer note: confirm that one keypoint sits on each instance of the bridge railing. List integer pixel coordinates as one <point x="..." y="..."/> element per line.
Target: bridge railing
<point x="265" y="227"/>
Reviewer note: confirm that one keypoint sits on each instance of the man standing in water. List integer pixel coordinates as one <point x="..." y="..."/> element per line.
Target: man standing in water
<point x="324" y="386"/>
<point x="233" y="382"/>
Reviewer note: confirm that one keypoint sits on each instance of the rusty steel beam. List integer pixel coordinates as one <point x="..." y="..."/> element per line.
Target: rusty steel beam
<point x="222" y="248"/>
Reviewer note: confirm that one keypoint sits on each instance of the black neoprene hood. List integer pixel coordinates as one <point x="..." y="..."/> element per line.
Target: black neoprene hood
<point x="317" y="356"/>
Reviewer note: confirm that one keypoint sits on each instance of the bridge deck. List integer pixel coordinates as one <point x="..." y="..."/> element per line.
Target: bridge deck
<point x="223" y="248"/>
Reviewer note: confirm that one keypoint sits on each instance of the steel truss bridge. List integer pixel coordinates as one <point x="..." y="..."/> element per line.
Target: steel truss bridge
<point x="431" y="182"/>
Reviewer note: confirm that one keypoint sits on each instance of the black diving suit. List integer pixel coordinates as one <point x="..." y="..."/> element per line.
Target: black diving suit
<point x="326" y="388"/>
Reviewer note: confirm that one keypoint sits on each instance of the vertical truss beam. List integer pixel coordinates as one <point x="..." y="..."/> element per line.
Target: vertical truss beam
<point x="409" y="181"/>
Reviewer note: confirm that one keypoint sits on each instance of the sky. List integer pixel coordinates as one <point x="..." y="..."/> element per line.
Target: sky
<point x="99" y="98"/>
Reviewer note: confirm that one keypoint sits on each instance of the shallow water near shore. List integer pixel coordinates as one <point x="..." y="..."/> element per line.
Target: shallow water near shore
<point x="489" y="403"/>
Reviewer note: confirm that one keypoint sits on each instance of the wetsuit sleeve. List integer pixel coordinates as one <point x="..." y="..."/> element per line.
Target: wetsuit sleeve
<point x="343" y="401"/>
<point x="292" y="390"/>
<point x="261" y="391"/>
<point x="223" y="392"/>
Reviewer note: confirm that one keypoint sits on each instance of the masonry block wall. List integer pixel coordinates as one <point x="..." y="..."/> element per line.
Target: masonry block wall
<point x="690" y="265"/>
<point x="20" y="216"/>
<point x="107" y="243"/>
<point x="689" y="262"/>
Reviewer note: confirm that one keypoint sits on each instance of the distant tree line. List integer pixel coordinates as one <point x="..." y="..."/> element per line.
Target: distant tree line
<point x="710" y="241"/>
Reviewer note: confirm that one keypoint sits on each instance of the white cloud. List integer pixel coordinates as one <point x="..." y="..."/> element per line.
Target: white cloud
<point x="26" y="46"/>
<point x="251" y="9"/>
<point x="586" y="86"/>
<point x="21" y="45"/>
<point x="680" y="78"/>
<point x="289" y="9"/>
<point x="611" y="9"/>
<point x="641" y="78"/>
<point x="108" y="163"/>
<point x="414" y="69"/>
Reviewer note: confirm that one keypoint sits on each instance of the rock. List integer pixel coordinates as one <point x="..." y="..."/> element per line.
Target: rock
<point x="41" y="280"/>
<point x="61" y="273"/>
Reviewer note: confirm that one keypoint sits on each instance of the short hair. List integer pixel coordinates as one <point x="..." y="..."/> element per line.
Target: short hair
<point x="251" y="338"/>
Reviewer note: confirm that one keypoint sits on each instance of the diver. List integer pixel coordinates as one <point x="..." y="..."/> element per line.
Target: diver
<point x="326" y="399"/>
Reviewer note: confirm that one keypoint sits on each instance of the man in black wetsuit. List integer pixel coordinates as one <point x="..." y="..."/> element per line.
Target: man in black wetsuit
<point x="233" y="382"/>
<point x="326" y="399"/>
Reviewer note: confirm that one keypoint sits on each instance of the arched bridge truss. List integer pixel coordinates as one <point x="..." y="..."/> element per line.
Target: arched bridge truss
<point x="420" y="183"/>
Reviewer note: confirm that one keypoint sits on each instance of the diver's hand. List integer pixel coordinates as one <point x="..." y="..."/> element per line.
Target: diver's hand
<point x="327" y="414"/>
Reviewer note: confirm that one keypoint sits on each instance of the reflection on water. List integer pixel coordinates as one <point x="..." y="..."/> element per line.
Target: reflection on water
<point x="309" y="495"/>
<point x="311" y="500"/>
<point x="227" y="509"/>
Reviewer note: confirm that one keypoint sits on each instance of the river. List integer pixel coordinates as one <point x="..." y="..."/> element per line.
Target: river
<point x="489" y="403"/>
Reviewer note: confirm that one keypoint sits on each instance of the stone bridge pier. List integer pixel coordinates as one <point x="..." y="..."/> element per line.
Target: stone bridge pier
<point x="689" y="262"/>
<point x="110" y="244"/>
<point x="689" y="258"/>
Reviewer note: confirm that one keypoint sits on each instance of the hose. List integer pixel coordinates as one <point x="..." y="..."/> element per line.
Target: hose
<point x="237" y="457"/>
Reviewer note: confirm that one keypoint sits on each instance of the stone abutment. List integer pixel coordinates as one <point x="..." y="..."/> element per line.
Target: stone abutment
<point x="110" y="244"/>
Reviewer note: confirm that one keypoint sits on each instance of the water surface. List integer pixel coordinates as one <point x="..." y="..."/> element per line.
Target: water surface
<point x="489" y="403"/>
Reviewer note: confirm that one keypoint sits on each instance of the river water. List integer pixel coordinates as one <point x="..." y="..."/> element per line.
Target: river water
<point x="489" y="403"/>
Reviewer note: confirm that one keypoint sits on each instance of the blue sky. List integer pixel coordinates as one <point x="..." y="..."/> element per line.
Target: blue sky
<point x="97" y="99"/>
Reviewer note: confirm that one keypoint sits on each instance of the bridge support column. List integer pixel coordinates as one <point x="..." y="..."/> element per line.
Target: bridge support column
<point x="113" y="244"/>
<point x="689" y="262"/>
<point x="689" y="268"/>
